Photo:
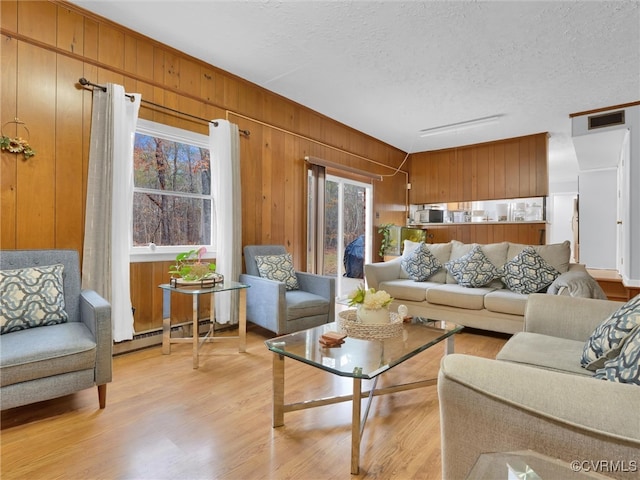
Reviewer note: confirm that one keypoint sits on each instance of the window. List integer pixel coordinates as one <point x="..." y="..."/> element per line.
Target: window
<point x="172" y="200"/>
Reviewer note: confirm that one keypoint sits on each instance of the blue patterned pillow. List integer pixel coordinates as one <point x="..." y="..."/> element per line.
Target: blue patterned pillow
<point x="420" y="264"/>
<point x="625" y="368"/>
<point x="278" y="268"/>
<point x="528" y="272"/>
<point x="31" y="297"/>
<point x="606" y="340"/>
<point x="473" y="269"/>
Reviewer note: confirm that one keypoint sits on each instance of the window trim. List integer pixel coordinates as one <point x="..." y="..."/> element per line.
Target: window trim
<point x="152" y="252"/>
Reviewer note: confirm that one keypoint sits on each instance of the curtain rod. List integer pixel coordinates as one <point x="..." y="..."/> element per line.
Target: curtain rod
<point x="83" y="81"/>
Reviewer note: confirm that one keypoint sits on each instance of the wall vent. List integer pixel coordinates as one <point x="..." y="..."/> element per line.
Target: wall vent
<point x="606" y="119"/>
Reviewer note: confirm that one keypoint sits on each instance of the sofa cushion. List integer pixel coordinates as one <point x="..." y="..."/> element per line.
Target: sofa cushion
<point x="606" y="340"/>
<point x="407" y="289"/>
<point x="278" y="268"/>
<point x="558" y="255"/>
<point x="458" y="296"/>
<point x="441" y="251"/>
<point x="473" y="269"/>
<point x="528" y="272"/>
<point x="544" y="351"/>
<point x="505" y="301"/>
<point x="31" y="297"/>
<point x="420" y="264"/>
<point x="625" y="368"/>
<point x="43" y="352"/>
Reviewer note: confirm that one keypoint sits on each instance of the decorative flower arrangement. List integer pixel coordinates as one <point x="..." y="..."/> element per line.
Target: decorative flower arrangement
<point x="17" y="145"/>
<point x="190" y="267"/>
<point x="369" y="298"/>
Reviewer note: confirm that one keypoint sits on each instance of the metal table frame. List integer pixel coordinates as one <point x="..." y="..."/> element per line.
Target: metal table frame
<point x="358" y="420"/>
<point x="196" y="340"/>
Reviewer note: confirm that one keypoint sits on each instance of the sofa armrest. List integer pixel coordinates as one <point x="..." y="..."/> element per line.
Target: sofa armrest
<point x="95" y="313"/>
<point x="561" y="316"/>
<point x="577" y="283"/>
<point x="374" y="273"/>
<point x="493" y="406"/>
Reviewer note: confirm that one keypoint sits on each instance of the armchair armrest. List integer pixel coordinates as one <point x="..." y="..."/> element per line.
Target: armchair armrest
<point x="322" y="285"/>
<point x="266" y="305"/>
<point x="375" y="273"/>
<point x="561" y="316"/>
<point x="95" y="313"/>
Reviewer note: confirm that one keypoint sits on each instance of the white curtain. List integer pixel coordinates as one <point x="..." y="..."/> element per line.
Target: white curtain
<point x="109" y="209"/>
<point x="225" y="160"/>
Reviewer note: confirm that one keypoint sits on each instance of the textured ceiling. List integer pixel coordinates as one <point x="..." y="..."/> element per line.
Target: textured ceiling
<point x="393" y="68"/>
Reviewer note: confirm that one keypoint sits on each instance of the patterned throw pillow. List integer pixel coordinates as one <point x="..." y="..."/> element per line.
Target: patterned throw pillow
<point x="31" y="297"/>
<point x="473" y="269"/>
<point x="420" y="264"/>
<point x="606" y="340"/>
<point x="278" y="268"/>
<point x="625" y="368"/>
<point x="528" y="272"/>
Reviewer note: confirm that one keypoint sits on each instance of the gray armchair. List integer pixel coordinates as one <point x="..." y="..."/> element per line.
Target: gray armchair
<point x="50" y="361"/>
<point x="272" y="306"/>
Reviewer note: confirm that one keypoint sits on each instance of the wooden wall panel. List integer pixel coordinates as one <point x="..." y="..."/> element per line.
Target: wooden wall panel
<point x="525" y="233"/>
<point x="48" y="45"/>
<point x="69" y="194"/>
<point x="511" y="168"/>
<point x="35" y="219"/>
<point x="9" y="165"/>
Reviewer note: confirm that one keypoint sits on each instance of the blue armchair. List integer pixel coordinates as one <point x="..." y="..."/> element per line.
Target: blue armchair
<point x="59" y="357"/>
<point x="273" y="307"/>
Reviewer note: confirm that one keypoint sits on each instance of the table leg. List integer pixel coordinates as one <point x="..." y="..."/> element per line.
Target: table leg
<point x="166" y="335"/>
<point x="278" y="390"/>
<point x="355" y="426"/>
<point x="242" y="320"/>
<point x="195" y="331"/>
<point x="166" y="325"/>
<point x="448" y="345"/>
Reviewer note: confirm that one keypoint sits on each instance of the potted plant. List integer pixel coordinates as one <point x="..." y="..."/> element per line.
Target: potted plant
<point x="387" y="241"/>
<point x="190" y="268"/>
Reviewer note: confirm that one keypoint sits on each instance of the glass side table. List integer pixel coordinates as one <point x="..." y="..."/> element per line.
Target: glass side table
<point x="196" y="340"/>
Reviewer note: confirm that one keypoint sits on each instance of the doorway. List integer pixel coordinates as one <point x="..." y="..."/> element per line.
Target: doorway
<point x="340" y="214"/>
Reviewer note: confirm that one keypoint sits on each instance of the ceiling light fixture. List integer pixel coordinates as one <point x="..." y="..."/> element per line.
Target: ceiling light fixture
<point x="455" y="127"/>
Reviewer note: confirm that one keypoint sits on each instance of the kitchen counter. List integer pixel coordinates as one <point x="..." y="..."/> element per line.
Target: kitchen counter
<point x="451" y="224"/>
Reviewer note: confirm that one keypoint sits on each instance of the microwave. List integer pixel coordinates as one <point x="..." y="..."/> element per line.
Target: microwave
<point x="430" y="215"/>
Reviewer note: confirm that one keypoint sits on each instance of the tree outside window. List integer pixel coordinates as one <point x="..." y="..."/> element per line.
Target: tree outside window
<point x="172" y="201"/>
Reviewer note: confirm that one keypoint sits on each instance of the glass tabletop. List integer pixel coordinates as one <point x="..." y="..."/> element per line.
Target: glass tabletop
<point x="358" y="358"/>
<point x="197" y="289"/>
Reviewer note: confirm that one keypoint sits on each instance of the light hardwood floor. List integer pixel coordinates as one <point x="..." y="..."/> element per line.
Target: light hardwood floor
<point x="164" y="420"/>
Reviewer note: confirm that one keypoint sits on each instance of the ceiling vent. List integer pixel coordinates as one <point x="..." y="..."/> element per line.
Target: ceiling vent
<point x="606" y="119"/>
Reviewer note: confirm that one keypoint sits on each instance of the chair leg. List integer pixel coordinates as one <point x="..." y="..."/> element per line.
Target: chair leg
<point x="102" y="395"/>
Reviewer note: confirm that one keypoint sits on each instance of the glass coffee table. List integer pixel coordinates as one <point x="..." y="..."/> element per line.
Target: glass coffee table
<point x="358" y="359"/>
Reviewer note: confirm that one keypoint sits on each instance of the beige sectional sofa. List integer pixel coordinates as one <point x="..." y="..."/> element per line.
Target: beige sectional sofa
<point x="537" y="397"/>
<point x="490" y="307"/>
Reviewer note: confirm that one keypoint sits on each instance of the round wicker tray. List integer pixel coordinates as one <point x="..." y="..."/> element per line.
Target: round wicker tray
<point x="348" y="323"/>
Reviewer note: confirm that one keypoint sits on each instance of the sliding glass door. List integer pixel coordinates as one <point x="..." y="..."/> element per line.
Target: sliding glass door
<point x="342" y="221"/>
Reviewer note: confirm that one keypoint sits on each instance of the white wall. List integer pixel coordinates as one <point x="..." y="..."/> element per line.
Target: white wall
<point x="560" y="211"/>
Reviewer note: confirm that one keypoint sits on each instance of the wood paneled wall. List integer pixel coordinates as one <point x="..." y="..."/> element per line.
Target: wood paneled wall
<point x="48" y="45"/>
<point x="511" y="168"/>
